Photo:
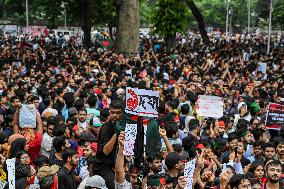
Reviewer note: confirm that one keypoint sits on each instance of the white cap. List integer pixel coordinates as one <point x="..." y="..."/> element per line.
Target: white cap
<point x="96" y="181"/>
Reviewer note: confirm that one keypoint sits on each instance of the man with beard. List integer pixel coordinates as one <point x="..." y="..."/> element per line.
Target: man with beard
<point x="105" y="158"/>
<point x="175" y="165"/>
<point x="66" y="177"/>
<point x="155" y="178"/>
<point x="280" y="151"/>
<point x="273" y="173"/>
<point x="82" y="117"/>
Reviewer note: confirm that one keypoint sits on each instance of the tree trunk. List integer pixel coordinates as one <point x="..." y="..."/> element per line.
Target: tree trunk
<point x="170" y="42"/>
<point x="199" y="18"/>
<point x="127" y="40"/>
<point x="86" y="23"/>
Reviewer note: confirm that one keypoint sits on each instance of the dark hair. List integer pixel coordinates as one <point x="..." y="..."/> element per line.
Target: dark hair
<point x="46" y="101"/>
<point x="47" y="182"/>
<point x="150" y="159"/>
<point x="20" y="153"/>
<point x="13" y="98"/>
<point x="177" y="148"/>
<point x="236" y="180"/>
<point x="23" y="171"/>
<point x="193" y="124"/>
<point x="41" y="160"/>
<point x="68" y="153"/>
<point x="16" y="146"/>
<point x="232" y="136"/>
<point x="257" y="133"/>
<point x="92" y="100"/>
<point x="184" y="109"/>
<point x="268" y="145"/>
<point x="116" y="104"/>
<point x="274" y="163"/>
<point x="82" y="110"/>
<point x="58" y="142"/>
<point x="255" y="164"/>
<point x="60" y="130"/>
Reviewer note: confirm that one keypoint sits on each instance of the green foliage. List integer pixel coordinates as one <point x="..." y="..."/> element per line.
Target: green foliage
<point x="278" y="14"/>
<point x="170" y="17"/>
<point x="146" y="12"/>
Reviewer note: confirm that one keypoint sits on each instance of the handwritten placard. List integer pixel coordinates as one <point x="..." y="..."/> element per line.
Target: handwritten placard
<point x="188" y="173"/>
<point x="130" y="136"/>
<point x="11" y="172"/>
<point x="210" y="106"/>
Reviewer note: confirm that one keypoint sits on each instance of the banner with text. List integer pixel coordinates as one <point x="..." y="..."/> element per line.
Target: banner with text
<point x="142" y="102"/>
<point x="275" y="116"/>
<point x="210" y="106"/>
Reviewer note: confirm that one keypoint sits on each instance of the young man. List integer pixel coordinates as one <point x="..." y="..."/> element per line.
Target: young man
<point x="108" y="145"/>
<point x="240" y="181"/>
<point x="66" y="177"/>
<point x="280" y="151"/>
<point x="273" y="173"/>
<point x="269" y="150"/>
<point x="82" y="117"/>
<point x="175" y="164"/>
<point x="59" y="143"/>
<point x="154" y="176"/>
<point x="48" y="137"/>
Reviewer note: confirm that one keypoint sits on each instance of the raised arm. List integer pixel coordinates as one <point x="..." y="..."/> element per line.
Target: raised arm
<point x="119" y="165"/>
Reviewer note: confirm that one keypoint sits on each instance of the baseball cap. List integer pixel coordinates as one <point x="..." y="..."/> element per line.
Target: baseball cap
<point x="97" y="122"/>
<point x="96" y="181"/>
<point x="221" y="124"/>
<point x="173" y="158"/>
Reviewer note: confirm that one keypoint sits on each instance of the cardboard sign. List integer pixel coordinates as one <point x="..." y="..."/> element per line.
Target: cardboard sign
<point x="262" y="67"/>
<point x="27" y="117"/>
<point x="11" y="173"/>
<point x="210" y="106"/>
<point x="130" y="136"/>
<point x="142" y="102"/>
<point x="188" y="173"/>
<point x="275" y="116"/>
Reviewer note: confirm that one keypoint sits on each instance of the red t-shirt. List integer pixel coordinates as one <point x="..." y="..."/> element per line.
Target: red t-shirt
<point x="34" y="146"/>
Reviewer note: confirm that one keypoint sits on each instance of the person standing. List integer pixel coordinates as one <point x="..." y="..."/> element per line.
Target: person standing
<point x="66" y="176"/>
<point x="105" y="159"/>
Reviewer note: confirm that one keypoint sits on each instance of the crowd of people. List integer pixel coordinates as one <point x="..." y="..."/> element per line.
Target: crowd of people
<point x="79" y="95"/>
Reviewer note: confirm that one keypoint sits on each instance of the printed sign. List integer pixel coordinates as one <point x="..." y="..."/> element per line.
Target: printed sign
<point x="11" y="172"/>
<point x="210" y="106"/>
<point x="275" y="116"/>
<point x="262" y="67"/>
<point x="27" y="117"/>
<point x="188" y="173"/>
<point x="142" y="102"/>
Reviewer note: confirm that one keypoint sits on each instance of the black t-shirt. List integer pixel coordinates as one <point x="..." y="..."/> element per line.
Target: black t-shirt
<point x="66" y="179"/>
<point x="106" y="133"/>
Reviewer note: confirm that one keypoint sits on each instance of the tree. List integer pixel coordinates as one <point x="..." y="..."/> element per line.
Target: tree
<point x="127" y="41"/>
<point x="278" y="14"/>
<point x="170" y="17"/>
<point x="199" y="18"/>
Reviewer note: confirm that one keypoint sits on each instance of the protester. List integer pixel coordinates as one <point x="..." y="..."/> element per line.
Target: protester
<point x="75" y="118"/>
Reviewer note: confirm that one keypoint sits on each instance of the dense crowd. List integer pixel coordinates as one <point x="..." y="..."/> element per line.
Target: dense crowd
<point x="79" y="95"/>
